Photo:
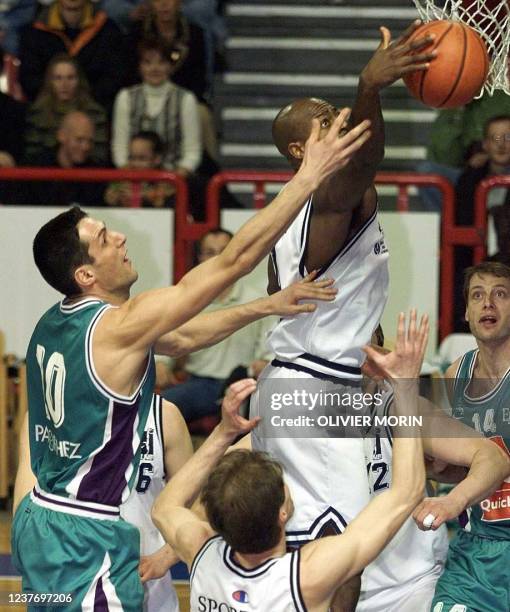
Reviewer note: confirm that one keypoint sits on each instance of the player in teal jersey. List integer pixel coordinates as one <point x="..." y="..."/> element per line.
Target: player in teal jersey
<point x="477" y="572"/>
<point x="90" y="373"/>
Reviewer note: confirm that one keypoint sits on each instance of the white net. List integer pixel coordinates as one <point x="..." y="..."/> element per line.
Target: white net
<point x="491" y="19"/>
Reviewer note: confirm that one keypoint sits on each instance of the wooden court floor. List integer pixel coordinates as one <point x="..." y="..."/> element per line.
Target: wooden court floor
<point x="13" y="585"/>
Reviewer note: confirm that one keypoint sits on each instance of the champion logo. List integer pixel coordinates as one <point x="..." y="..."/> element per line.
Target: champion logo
<point x="240" y="596"/>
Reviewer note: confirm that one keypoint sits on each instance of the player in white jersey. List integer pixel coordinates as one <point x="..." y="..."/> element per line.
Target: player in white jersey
<point x="338" y="234"/>
<point x="403" y="577"/>
<point x="247" y="569"/>
<point x="166" y="446"/>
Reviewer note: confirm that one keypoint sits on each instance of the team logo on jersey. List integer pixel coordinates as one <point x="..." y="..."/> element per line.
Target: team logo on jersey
<point x="497" y="506"/>
<point x="380" y="247"/>
<point x="240" y="596"/>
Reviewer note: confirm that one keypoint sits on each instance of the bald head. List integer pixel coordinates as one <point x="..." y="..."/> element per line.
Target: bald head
<point x="293" y="124"/>
<point x="76" y="139"/>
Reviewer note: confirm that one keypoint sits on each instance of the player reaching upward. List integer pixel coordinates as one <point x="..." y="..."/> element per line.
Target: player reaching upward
<point x="90" y="375"/>
<point x="238" y="559"/>
<point x="337" y="233"/>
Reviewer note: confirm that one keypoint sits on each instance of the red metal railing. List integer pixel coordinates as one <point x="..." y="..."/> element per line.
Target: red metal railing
<point x="402" y="182"/>
<point x="101" y="175"/>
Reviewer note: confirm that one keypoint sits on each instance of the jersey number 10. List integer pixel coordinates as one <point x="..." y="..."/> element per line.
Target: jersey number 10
<point x="53" y="380"/>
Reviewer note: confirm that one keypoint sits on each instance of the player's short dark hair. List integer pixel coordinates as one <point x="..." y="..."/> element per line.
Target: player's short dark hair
<point x="494" y="268"/>
<point x="242" y="500"/>
<point x="158" y="147"/>
<point x="492" y="120"/>
<point x="58" y="251"/>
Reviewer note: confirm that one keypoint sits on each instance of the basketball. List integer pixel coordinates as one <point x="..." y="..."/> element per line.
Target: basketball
<point x="459" y="70"/>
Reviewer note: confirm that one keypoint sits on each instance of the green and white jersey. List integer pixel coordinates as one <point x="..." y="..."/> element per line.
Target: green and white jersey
<point x="490" y="415"/>
<point x="84" y="438"/>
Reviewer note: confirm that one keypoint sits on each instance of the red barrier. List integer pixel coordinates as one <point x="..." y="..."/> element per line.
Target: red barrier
<point x="100" y="175"/>
<point x="403" y="182"/>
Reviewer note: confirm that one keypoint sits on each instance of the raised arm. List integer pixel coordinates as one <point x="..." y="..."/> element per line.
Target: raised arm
<point x="210" y="328"/>
<point x="142" y="320"/>
<point x="345" y="188"/>
<point x="329" y="562"/>
<point x="180" y="527"/>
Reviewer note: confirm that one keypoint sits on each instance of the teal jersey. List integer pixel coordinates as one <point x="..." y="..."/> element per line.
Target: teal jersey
<point x="490" y="415"/>
<point x="84" y="438"/>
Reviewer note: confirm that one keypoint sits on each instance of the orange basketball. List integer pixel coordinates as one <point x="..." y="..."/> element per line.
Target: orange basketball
<point x="458" y="71"/>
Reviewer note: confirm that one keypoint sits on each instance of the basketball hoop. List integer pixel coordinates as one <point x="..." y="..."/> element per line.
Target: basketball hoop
<point x="491" y="19"/>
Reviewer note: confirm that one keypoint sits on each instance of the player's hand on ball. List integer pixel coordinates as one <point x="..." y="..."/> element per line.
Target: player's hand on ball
<point x="232" y="423"/>
<point x="434" y="511"/>
<point x="405" y="361"/>
<point x="288" y="302"/>
<point x="394" y="59"/>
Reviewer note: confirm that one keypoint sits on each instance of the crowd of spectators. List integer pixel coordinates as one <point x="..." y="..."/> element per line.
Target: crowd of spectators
<point x="103" y="80"/>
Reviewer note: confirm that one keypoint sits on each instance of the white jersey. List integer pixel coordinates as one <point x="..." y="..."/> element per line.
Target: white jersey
<point x="160" y="595"/>
<point x="219" y="583"/>
<point x="404" y="575"/>
<point x="329" y="340"/>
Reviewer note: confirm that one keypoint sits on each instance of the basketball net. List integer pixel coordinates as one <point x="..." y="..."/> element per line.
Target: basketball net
<point x="491" y="19"/>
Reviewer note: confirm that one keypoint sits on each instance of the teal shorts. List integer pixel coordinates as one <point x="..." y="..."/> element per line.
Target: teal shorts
<point x="476" y="577"/>
<point x="94" y="560"/>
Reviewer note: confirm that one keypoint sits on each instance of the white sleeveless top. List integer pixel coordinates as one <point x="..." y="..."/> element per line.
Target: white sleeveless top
<point x="160" y="595"/>
<point x="329" y="340"/>
<point x="412" y="553"/>
<point x="220" y="583"/>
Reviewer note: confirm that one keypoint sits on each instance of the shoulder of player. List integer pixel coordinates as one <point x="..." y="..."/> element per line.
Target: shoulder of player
<point x="451" y="372"/>
<point x="173" y="424"/>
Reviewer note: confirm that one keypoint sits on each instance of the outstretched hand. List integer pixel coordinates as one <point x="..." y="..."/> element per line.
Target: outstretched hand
<point x="287" y="302"/>
<point x="232" y="423"/>
<point x="394" y="59"/>
<point x="405" y="361"/>
<point x="323" y="156"/>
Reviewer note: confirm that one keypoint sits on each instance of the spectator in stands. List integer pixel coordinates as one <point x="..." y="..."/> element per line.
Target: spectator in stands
<point x="64" y="89"/>
<point x="145" y="153"/>
<point x="496" y="148"/>
<point x="184" y="39"/>
<point x="160" y="106"/>
<point x="79" y="28"/>
<point x="206" y="370"/>
<point x="456" y="141"/>
<point x="75" y="147"/>
<point x="12" y="126"/>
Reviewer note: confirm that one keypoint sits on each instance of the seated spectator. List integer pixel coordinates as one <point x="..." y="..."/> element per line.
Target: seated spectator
<point x="190" y="64"/>
<point x="12" y="126"/>
<point x="185" y="40"/>
<point x="160" y="106"/>
<point x="496" y="146"/>
<point x="206" y="370"/>
<point x="75" y="147"/>
<point x="145" y="153"/>
<point x="79" y="28"/>
<point x="65" y="89"/>
<point x="456" y="141"/>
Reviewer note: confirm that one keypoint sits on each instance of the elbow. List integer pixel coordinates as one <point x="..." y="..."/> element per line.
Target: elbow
<point x="238" y="262"/>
